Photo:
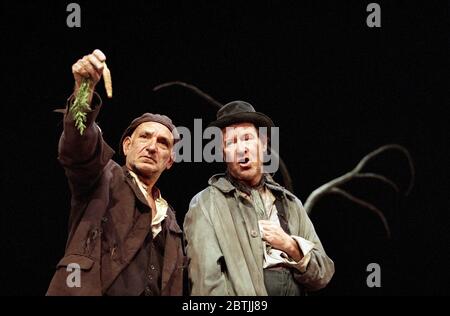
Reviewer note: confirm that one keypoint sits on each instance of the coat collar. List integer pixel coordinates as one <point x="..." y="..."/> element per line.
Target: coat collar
<point x="170" y="221"/>
<point x="137" y="192"/>
<point x="220" y="182"/>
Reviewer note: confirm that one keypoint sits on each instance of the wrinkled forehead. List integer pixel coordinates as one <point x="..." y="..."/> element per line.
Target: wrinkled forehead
<point x="154" y="128"/>
<point x="236" y="130"/>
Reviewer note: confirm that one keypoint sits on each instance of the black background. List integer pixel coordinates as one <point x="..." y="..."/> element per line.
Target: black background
<point x="336" y="88"/>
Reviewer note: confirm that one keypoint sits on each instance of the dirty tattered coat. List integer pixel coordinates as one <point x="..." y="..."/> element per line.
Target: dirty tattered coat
<point x="103" y="235"/>
<point x="224" y="248"/>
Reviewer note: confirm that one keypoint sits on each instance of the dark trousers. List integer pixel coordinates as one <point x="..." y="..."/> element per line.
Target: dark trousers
<point x="280" y="282"/>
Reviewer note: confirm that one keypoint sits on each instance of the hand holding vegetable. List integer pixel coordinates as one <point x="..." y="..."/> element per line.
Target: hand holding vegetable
<point x="87" y="72"/>
<point x="89" y="67"/>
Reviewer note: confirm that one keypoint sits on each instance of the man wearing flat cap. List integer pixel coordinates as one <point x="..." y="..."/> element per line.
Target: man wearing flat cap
<point x="123" y="236"/>
<point x="246" y="234"/>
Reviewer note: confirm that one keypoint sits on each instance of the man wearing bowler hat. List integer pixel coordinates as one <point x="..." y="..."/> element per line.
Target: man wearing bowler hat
<point x="123" y="236"/>
<point x="246" y="234"/>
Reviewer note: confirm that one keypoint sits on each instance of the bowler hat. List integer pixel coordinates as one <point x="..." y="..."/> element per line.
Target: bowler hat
<point x="240" y="112"/>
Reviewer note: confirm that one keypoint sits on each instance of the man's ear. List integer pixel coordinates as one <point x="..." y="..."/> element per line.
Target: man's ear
<point x="171" y="160"/>
<point x="126" y="145"/>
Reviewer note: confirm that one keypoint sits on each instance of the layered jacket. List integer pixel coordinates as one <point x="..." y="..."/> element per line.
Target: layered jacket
<point x="104" y="235"/>
<point x="223" y="242"/>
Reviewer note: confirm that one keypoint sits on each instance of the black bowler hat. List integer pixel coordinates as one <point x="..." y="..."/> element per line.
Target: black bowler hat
<point x="240" y="112"/>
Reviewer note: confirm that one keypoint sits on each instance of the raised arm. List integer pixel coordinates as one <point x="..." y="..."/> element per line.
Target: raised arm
<point x="84" y="156"/>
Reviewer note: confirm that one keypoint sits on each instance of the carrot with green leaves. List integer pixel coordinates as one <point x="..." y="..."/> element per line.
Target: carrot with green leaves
<point x="87" y="72"/>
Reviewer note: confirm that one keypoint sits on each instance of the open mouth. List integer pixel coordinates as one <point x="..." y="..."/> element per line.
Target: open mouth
<point x="244" y="162"/>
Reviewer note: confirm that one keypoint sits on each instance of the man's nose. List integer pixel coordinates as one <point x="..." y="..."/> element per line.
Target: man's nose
<point x="241" y="148"/>
<point x="151" y="145"/>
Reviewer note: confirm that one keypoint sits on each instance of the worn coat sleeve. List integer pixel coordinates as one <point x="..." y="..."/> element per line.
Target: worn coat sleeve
<point x="83" y="156"/>
<point x="204" y="255"/>
<point x="320" y="268"/>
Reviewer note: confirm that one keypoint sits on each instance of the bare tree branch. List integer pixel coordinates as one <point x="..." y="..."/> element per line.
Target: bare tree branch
<point x="325" y="189"/>
<point x="377" y="177"/>
<point x="384" y="148"/>
<point x="366" y="205"/>
<point x="333" y="185"/>
<point x="204" y="95"/>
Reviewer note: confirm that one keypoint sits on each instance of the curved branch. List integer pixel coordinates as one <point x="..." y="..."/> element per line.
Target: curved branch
<point x="378" y="177"/>
<point x="365" y="205"/>
<point x="384" y="148"/>
<point x="193" y="88"/>
<point x="325" y="189"/>
<point x="333" y="185"/>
